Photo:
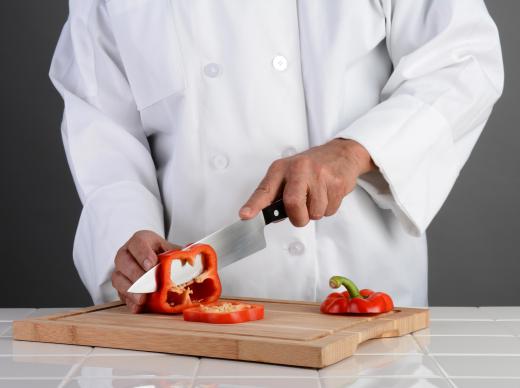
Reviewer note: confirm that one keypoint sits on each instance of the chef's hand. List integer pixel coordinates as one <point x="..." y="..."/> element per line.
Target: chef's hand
<point x="312" y="183"/>
<point x="133" y="259"/>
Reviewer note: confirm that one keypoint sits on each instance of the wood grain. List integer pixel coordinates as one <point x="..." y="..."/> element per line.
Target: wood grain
<point x="292" y="333"/>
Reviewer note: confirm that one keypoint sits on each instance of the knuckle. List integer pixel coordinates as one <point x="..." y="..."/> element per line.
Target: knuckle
<point x="138" y="246"/>
<point x="118" y="256"/>
<point x="322" y="173"/>
<point x="118" y="259"/>
<point x="141" y="236"/>
<point x="339" y="186"/>
<point x="134" y="241"/>
<point x="137" y="235"/>
<point x="292" y="201"/>
<point x="301" y="162"/>
<point x="276" y="166"/>
<point x="263" y="188"/>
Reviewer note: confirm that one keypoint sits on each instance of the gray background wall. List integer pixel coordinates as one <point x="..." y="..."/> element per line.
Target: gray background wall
<point x="474" y="255"/>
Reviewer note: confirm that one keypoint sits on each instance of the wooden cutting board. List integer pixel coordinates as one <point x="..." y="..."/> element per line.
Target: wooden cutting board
<point x="292" y="333"/>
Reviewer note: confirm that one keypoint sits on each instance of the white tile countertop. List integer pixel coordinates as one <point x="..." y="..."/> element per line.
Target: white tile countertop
<point x="465" y="347"/>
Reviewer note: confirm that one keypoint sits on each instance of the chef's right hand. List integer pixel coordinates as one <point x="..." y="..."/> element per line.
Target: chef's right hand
<point x="133" y="259"/>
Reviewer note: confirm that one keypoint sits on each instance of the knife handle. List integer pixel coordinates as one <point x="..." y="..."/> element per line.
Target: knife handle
<point x="274" y="212"/>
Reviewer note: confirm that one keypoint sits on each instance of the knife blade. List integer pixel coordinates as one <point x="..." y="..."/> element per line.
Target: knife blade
<point x="231" y="243"/>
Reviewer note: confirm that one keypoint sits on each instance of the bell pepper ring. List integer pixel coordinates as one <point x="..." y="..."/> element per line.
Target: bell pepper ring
<point x="173" y="298"/>
<point x="355" y="301"/>
<point x="224" y="312"/>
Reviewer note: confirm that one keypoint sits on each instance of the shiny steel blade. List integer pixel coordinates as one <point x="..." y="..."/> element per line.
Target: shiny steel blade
<point x="146" y="283"/>
<point x="231" y="243"/>
<point x="184" y="273"/>
<point x="237" y="240"/>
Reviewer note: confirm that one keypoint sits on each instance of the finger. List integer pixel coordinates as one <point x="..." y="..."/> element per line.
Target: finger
<point x="163" y="245"/>
<point x="143" y="253"/>
<point x="131" y="306"/>
<point x="126" y="263"/>
<point x="266" y="192"/>
<point x="134" y="308"/>
<point x="122" y="284"/>
<point x="317" y="201"/>
<point x="295" y="201"/>
<point x="334" y="202"/>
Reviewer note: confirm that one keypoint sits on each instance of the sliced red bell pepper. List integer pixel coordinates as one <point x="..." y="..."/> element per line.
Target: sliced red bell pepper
<point x="173" y="298"/>
<point x="355" y="301"/>
<point x="224" y="312"/>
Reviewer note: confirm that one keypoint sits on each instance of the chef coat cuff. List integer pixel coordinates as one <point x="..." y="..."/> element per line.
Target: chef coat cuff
<point x="110" y="216"/>
<point x="411" y="143"/>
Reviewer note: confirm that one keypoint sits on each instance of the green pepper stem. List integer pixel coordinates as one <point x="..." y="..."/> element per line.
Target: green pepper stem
<point x="338" y="281"/>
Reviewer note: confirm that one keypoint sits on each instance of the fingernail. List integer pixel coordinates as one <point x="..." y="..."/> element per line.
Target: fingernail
<point x="245" y="211"/>
<point x="147" y="264"/>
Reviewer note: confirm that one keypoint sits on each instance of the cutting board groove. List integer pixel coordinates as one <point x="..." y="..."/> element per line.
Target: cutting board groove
<point x="292" y="333"/>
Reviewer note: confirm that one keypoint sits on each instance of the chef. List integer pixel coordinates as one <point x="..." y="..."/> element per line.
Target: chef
<point x="182" y="116"/>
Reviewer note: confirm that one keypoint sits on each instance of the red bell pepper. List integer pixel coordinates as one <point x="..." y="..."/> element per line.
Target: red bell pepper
<point x="353" y="300"/>
<point x="224" y="312"/>
<point x="173" y="298"/>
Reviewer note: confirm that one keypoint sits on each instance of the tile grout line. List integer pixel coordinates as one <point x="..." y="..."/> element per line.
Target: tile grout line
<point x="2" y="332"/>
<point x="423" y="351"/>
<point x="466" y="335"/>
<point x="516" y="378"/>
<point x="199" y="359"/>
<point x="320" y="385"/>
<point x="443" y="372"/>
<point x="73" y="369"/>
<point x="283" y="377"/>
<point x="505" y="355"/>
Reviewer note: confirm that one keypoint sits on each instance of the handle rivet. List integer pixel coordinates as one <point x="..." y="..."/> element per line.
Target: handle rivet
<point x="276" y="213"/>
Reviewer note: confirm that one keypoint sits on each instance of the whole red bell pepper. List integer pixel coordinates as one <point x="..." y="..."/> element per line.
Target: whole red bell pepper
<point x="353" y="300"/>
<point x="173" y="298"/>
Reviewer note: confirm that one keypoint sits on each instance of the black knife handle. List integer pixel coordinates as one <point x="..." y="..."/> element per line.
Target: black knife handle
<point x="274" y="212"/>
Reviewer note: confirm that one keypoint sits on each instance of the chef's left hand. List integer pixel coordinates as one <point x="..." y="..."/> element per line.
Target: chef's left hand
<point x="312" y="183"/>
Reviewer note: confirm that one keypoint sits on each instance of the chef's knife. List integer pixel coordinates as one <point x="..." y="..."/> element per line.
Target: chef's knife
<point x="231" y="243"/>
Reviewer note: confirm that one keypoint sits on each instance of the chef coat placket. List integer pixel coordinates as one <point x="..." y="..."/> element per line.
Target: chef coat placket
<point x="244" y="130"/>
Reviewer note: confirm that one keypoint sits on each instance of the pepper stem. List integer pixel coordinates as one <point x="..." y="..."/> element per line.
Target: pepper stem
<point x="338" y="281"/>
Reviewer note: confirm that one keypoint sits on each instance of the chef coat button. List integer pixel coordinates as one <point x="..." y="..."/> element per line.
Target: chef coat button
<point x="212" y="70"/>
<point x="289" y="151"/>
<point x="280" y="63"/>
<point x="220" y="162"/>
<point x="296" y="248"/>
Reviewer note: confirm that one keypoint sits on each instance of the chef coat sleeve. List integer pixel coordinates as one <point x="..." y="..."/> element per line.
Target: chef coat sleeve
<point x="447" y="74"/>
<point x="106" y="146"/>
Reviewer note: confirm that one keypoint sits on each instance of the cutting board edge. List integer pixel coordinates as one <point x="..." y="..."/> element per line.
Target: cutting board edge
<point x="317" y="353"/>
<point x="245" y="348"/>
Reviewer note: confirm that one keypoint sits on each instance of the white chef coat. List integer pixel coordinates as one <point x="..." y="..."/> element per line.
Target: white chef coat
<point x="175" y="109"/>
